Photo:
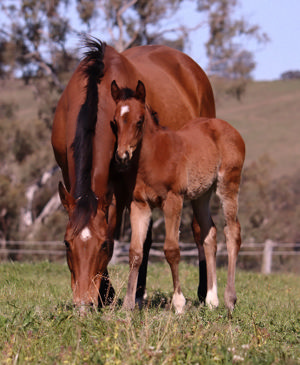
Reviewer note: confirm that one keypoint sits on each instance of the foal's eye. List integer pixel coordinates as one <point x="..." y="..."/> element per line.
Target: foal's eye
<point x="139" y="124"/>
<point x="67" y="244"/>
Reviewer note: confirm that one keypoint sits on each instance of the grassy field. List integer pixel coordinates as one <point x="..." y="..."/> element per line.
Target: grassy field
<point x="38" y="324"/>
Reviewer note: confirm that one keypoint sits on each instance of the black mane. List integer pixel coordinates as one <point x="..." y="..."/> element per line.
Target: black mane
<point x="126" y="93"/>
<point x="93" y="70"/>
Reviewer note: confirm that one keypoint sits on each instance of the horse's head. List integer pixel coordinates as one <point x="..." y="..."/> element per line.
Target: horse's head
<point x="88" y="251"/>
<point x="128" y="123"/>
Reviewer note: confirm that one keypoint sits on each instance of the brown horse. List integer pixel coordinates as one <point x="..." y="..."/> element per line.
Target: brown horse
<point x="203" y="156"/>
<point x="84" y="144"/>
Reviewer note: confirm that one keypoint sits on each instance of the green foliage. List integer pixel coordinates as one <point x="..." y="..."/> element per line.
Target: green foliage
<point x="37" y="321"/>
<point x="227" y="58"/>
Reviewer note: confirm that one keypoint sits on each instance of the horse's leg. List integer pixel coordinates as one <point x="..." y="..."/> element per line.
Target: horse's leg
<point x="106" y="290"/>
<point x="228" y="188"/>
<point x="172" y="211"/>
<point x="202" y="288"/>
<point x="141" y="284"/>
<point x="209" y="241"/>
<point x="140" y="214"/>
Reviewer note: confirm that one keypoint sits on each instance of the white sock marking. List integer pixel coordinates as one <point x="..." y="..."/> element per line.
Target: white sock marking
<point x="124" y="109"/>
<point x="212" y="297"/>
<point x="178" y="302"/>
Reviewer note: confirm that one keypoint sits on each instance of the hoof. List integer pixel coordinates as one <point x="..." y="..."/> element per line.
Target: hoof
<point x="179" y="302"/>
<point x="230" y="300"/>
<point x="128" y="304"/>
<point x="140" y="301"/>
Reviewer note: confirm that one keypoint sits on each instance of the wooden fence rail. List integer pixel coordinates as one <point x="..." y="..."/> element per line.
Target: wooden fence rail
<point x="55" y="250"/>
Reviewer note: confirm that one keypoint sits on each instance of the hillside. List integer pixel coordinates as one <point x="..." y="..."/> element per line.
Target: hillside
<point x="268" y="119"/>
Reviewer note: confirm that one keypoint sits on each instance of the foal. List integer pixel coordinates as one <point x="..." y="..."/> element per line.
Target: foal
<point x="205" y="155"/>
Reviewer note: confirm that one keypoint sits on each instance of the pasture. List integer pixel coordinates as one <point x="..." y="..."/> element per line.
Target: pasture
<point x="38" y="324"/>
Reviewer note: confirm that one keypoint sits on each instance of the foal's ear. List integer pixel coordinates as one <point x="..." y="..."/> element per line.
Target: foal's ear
<point x="66" y="198"/>
<point x="115" y="91"/>
<point x="140" y="91"/>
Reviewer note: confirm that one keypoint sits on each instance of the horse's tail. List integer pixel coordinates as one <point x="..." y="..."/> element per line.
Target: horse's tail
<point x="93" y="69"/>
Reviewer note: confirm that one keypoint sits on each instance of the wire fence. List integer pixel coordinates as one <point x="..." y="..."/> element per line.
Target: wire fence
<point x="263" y="253"/>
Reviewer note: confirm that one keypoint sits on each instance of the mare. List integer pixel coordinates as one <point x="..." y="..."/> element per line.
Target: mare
<point x="94" y="192"/>
<point x="205" y="155"/>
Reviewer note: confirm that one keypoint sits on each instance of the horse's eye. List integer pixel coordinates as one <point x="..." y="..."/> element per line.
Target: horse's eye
<point x="104" y="245"/>
<point x="139" y="124"/>
<point x="67" y="244"/>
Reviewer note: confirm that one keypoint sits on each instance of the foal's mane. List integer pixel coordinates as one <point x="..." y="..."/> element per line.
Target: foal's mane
<point x="93" y="70"/>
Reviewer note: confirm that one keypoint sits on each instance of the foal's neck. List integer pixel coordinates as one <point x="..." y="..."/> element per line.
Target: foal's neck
<point x="155" y="137"/>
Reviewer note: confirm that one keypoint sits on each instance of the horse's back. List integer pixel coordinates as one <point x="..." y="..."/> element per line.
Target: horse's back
<point x="177" y="88"/>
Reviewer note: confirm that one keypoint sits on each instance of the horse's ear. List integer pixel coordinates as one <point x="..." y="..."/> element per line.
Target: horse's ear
<point x="65" y="197"/>
<point x="140" y="91"/>
<point x="115" y="91"/>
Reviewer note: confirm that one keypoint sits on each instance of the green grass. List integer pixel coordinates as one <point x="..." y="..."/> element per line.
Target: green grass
<point x="38" y="324"/>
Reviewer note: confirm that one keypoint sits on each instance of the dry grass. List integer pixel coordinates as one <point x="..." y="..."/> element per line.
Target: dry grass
<point x="268" y="119"/>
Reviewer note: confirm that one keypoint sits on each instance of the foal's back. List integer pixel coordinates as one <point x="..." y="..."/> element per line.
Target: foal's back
<point x="209" y="148"/>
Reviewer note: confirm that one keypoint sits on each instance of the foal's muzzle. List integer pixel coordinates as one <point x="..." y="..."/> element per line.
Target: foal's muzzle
<point x="122" y="159"/>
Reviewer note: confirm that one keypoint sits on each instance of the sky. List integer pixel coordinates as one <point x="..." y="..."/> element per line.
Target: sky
<point x="280" y="19"/>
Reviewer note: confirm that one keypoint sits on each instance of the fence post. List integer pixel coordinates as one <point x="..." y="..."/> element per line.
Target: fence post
<point x="266" y="267"/>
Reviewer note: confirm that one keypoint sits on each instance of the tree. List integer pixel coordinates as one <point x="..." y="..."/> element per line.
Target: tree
<point x="227" y="56"/>
<point x="34" y="37"/>
<point x="34" y="34"/>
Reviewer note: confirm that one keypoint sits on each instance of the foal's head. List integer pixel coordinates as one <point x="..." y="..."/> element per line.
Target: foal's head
<point x="128" y="123"/>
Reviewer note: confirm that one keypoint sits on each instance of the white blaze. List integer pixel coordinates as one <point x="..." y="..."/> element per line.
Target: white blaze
<point x="85" y="234"/>
<point x="124" y="109"/>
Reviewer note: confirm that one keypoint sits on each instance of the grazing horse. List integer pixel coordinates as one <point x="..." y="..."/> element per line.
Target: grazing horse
<point x="94" y="192"/>
<point x="203" y="156"/>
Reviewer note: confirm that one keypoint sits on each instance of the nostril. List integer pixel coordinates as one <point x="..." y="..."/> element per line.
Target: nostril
<point x="126" y="156"/>
<point x="123" y="158"/>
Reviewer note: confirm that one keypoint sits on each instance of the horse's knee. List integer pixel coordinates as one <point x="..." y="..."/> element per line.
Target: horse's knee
<point x="232" y="233"/>
<point x="172" y="255"/>
<point x="210" y="241"/>
<point x="135" y="258"/>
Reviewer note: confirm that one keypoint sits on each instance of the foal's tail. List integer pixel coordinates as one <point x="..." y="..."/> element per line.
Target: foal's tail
<point x="93" y="70"/>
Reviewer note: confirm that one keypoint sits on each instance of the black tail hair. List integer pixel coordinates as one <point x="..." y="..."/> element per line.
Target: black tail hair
<point x="93" y="70"/>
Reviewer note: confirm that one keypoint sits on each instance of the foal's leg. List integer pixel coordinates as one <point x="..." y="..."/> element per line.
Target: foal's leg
<point x="172" y="211"/>
<point x="139" y="216"/>
<point x="208" y="238"/>
<point x="202" y="288"/>
<point x="228" y="188"/>
<point x="141" y="284"/>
